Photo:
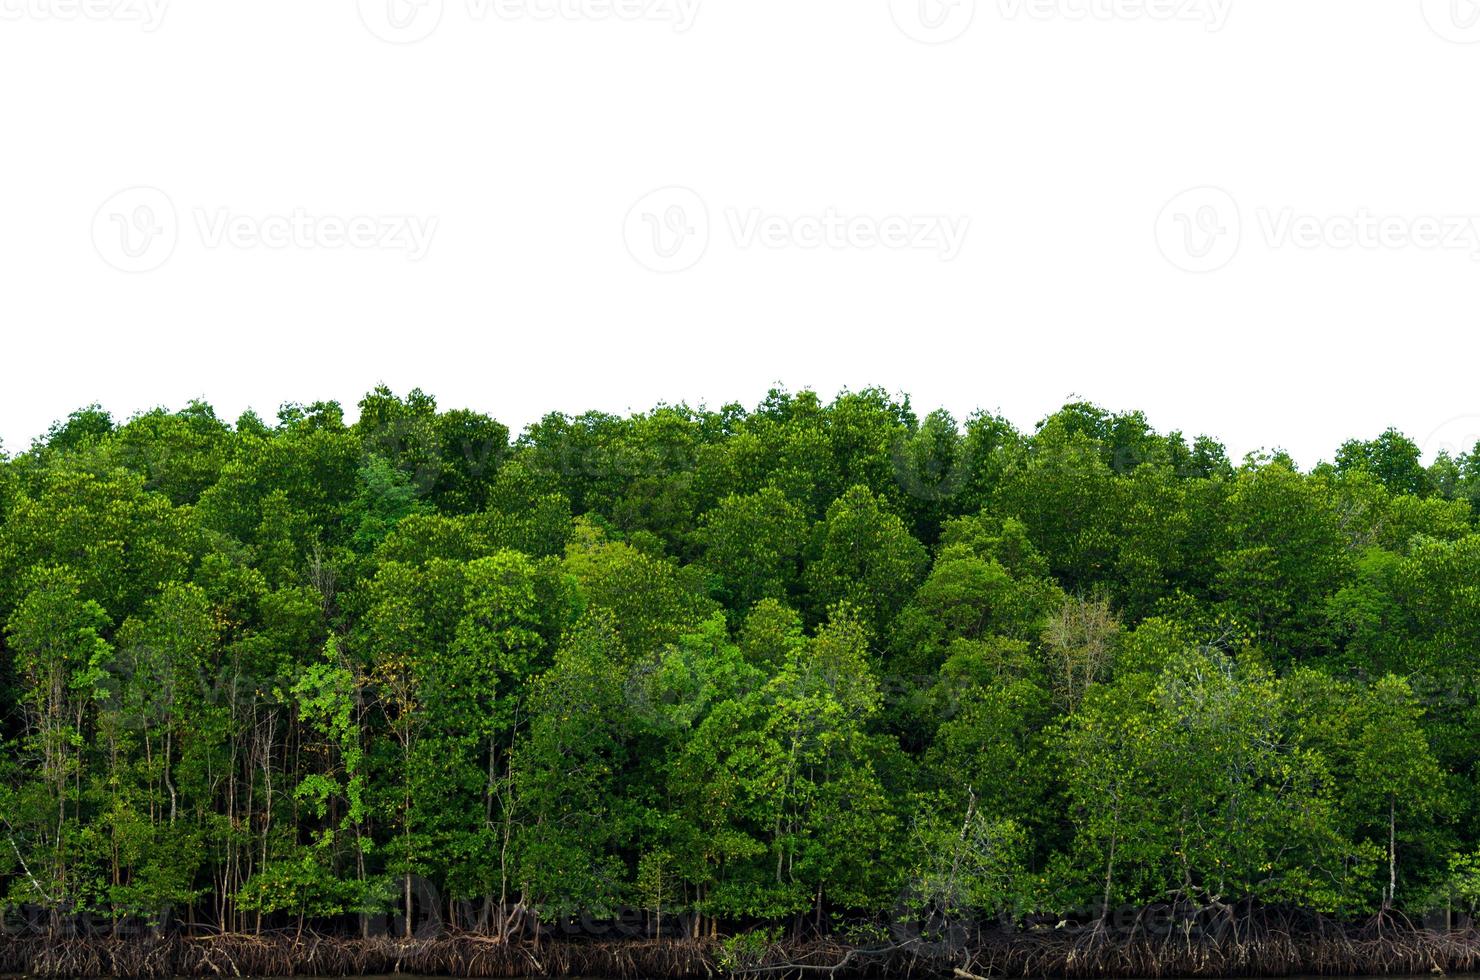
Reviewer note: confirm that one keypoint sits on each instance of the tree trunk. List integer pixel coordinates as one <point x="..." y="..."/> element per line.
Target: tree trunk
<point x="408" y="904"/>
<point x="1392" y="848"/>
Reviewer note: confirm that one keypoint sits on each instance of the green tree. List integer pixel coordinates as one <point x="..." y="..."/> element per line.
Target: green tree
<point x="862" y="554"/>
<point x="754" y="543"/>
<point x="61" y="659"/>
<point x="1392" y="457"/>
<point x="566" y="772"/>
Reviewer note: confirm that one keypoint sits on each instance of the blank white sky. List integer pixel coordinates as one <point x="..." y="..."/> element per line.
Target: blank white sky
<point x="1343" y="131"/>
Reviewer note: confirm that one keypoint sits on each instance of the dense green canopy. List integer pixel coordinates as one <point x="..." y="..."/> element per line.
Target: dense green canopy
<point x="802" y="664"/>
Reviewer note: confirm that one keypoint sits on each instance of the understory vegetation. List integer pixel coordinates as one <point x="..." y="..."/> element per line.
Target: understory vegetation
<point x="802" y="672"/>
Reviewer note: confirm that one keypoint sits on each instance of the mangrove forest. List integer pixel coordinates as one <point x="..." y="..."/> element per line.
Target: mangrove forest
<point x="820" y="684"/>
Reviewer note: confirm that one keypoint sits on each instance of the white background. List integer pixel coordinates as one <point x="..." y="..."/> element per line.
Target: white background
<point x="528" y="136"/>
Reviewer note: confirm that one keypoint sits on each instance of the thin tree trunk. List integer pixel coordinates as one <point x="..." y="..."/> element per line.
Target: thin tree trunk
<point x="408" y="904"/>
<point x="1392" y="848"/>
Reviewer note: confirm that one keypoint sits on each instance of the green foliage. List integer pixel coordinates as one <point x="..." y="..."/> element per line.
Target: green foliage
<point x="862" y="554"/>
<point x="566" y="775"/>
<point x="757" y="672"/>
<point x="754" y="543"/>
<point x="747" y="950"/>
<point x="966" y="867"/>
<point x="1393" y="458"/>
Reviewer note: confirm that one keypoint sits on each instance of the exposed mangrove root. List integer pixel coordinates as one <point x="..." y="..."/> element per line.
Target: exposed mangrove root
<point x="1264" y="952"/>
